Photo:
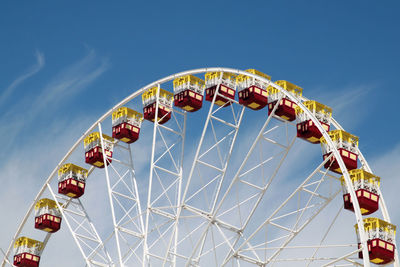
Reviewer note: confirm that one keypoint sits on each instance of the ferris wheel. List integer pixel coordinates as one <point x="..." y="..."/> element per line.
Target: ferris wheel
<point x="214" y="167"/>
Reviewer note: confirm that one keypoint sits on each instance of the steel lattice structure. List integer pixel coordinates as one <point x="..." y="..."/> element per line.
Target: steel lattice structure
<point x="215" y="206"/>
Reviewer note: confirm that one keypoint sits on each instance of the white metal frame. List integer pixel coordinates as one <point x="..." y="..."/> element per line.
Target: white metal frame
<point x="173" y="253"/>
<point x="154" y="229"/>
<point x="124" y="196"/>
<point x="220" y="167"/>
<point x="82" y="230"/>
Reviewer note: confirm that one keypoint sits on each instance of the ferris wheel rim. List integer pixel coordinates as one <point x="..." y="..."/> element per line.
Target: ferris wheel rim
<point x="297" y="100"/>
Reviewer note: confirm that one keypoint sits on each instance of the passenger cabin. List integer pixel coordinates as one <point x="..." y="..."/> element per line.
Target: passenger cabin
<point x="72" y="180"/>
<point x="380" y="240"/>
<point x="252" y="92"/>
<point x="165" y="100"/>
<point x="346" y="144"/>
<point x="188" y="93"/>
<point x="222" y="86"/>
<point x="126" y="124"/>
<point x="286" y="107"/>
<point x="27" y="252"/>
<point x="47" y="215"/>
<point x="94" y="151"/>
<point x="306" y="129"/>
<point x="366" y="187"/>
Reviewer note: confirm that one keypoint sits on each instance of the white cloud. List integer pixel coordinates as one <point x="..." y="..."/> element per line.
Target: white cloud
<point x="40" y="62"/>
<point x="31" y="109"/>
<point x="350" y="103"/>
<point x="71" y="80"/>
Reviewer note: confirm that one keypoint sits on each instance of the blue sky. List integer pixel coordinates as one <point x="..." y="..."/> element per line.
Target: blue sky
<point x="63" y="64"/>
<point x="321" y="45"/>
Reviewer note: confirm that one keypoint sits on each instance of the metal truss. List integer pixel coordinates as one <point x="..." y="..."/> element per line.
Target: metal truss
<point x="126" y="211"/>
<point x="208" y="171"/>
<point x="286" y="222"/>
<point x="243" y="197"/>
<point x="82" y="229"/>
<point x="164" y="191"/>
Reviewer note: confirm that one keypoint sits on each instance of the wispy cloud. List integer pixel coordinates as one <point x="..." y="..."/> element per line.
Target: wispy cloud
<point x="67" y="83"/>
<point x="71" y="80"/>
<point x="349" y="103"/>
<point x="40" y="62"/>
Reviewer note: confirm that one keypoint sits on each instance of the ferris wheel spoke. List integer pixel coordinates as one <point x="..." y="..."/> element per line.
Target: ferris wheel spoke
<point x="161" y="240"/>
<point x="242" y="255"/>
<point x="296" y="227"/>
<point x="161" y="234"/>
<point x="267" y="184"/>
<point x="215" y="171"/>
<point x="299" y="260"/>
<point x="220" y="222"/>
<point x="164" y="193"/>
<point x="5" y="259"/>
<point x="210" y="164"/>
<point x="325" y="235"/>
<point x="168" y="149"/>
<point x="167" y="164"/>
<point x="258" y="195"/>
<point x="164" y="189"/>
<point x="212" y="250"/>
<point x="213" y="153"/>
<point x="83" y="231"/>
<point x="353" y="262"/>
<point x="133" y="252"/>
<point x="218" y="143"/>
<point x="239" y="177"/>
<point x="124" y="203"/>
<point x="342" y="258"/>
<point x="252" y="200"/>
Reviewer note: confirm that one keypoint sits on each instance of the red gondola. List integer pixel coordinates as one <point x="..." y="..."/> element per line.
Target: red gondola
<point x="188" y="93"/>
<point x="380" y="252"/>
<point x="47" y="216"/>
<point x="26" y="260"/>
<point x="380" y="234"/>
<point x="164" y="105"/>
<point x="285" y="110"/>
<point x="224" y="83"/>
<point x="27" y="252"/>
<point x="306" y="129"/>
<point x="94" y="151"/>
<point x="252" y="92"/>
<point x="71" y="180"/>
<point x="346" y="144"/>
<point x="286" y="107"/>
<point x="126" y="124"/>
<point x="366" y="187"/>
